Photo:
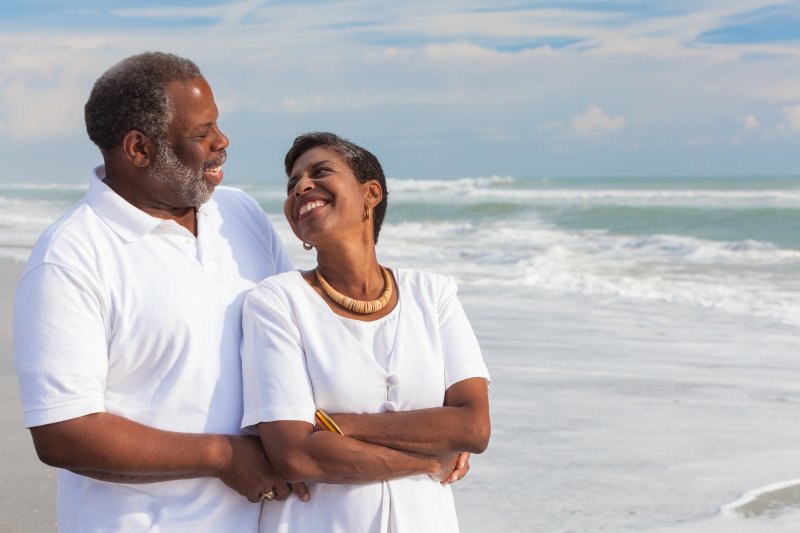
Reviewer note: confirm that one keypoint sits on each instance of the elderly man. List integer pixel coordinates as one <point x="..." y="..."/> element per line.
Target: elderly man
<point x="127" y="318"/>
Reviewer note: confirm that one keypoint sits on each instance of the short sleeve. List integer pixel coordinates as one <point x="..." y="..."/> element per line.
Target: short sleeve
<point x="60" y="348"/>
<point x="276" y="385"/>
<point x="462" y="354"/>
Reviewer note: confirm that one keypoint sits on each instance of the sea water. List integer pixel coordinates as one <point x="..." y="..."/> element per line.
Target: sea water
<point x="641" y="334"/>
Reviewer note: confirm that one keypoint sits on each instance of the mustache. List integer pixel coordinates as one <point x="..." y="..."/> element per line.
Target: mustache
<point x="217" y="161"/>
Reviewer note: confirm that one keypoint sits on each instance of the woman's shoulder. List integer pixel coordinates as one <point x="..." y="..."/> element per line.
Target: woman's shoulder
<point x="424" y="283"/>
<point x="283" y="285"/>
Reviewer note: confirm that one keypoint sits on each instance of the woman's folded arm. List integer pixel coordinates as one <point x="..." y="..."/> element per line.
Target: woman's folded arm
<point x="298" y="453"/>
<point x="461" y="425"/>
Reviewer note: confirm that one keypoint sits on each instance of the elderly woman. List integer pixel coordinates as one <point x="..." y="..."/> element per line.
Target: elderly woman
<point x="387" y="353"/>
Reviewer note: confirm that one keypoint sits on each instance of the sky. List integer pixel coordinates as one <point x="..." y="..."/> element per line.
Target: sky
<point x="442" y="89"/>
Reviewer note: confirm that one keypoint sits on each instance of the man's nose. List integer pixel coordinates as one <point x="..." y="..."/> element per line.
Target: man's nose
<point x="220" y="141"/>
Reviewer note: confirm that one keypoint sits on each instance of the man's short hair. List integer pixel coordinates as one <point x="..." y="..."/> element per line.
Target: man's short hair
<point x="132" y="95"/>
<point x="362" y="162"/>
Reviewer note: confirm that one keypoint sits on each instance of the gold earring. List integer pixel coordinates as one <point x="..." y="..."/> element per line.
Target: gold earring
<point x="366" y="213"/>
<point x="307" y="246"/>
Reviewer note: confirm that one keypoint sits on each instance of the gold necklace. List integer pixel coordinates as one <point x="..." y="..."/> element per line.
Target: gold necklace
<point x="358" y="306"/>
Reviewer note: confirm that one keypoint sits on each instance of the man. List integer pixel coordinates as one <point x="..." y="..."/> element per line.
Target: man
<point x="127" y="318"/>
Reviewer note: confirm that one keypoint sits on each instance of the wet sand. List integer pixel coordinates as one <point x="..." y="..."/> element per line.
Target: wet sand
<point x="27" y="487"/>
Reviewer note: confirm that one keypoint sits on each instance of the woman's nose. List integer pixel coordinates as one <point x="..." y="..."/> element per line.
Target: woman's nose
<point x="303" y="185"/>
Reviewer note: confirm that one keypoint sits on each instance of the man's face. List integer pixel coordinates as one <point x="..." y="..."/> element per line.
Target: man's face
<point x="188" y="165"/>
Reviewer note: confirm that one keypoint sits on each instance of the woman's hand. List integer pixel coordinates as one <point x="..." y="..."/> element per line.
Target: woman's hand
<point x="461" y="469"/>
<point x="452" y="468"/>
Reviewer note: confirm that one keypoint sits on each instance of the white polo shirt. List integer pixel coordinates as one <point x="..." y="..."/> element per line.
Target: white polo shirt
<point x="121" y="312"/>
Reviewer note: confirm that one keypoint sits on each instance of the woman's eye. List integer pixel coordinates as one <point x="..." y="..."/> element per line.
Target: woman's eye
<point x="290" y="187"/>
<point x="322" y="171"/>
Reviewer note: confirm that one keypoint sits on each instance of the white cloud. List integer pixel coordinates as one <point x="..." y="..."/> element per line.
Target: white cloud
<point x="751" y="122"/>
<point x="460" y="51"/>
<point x="792" y="116"/>
<point x="593" y="121"/>
<point x="227" y="13"/>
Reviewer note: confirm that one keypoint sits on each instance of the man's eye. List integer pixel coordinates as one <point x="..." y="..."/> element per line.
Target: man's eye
<point x="290" y="186"/>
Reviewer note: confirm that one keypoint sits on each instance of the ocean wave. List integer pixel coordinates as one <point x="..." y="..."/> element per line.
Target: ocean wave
<point x="647" y="198"/>
<point x="13" y="186"/>
<point x="460" y="184"/>
<point x="744" y="277"/>
<point x="767" y="501"/>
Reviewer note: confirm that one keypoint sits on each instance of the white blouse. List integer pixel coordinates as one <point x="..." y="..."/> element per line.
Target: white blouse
<point x="297" y="356"/>
<point x="375" y="337"/>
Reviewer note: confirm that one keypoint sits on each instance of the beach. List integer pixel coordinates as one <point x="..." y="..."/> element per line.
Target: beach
<point x="27" y="487"/>
<point x="642" y="338"/>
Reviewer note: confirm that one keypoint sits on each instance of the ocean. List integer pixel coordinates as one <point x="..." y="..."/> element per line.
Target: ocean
<point x="641" y="334"/>
<point x="731" y="244"/>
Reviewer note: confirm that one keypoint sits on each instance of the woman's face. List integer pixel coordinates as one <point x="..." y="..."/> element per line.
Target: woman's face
<point x="325" y="201"/>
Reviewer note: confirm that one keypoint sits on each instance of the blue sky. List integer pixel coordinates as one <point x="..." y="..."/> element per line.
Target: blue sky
<point x="436" y="89"/>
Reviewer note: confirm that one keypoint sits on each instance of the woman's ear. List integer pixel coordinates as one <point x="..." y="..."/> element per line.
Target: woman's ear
<point x="373" y="193"/>
<point x="138" y="148"/>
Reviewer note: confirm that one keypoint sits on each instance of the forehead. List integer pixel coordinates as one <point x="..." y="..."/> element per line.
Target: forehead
<point x="193" y="103"/>
<point x="314" y="156"/>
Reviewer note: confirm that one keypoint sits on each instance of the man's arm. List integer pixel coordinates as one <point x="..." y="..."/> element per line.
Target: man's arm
<point x="111" y="448"/>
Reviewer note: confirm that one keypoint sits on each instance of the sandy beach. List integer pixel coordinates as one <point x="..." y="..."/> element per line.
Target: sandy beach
<point x="613" y="416"/>
<point x="607" y="416"/>
<point x="27" y="487"/>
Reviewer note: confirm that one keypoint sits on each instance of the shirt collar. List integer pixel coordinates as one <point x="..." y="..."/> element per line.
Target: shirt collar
<point x="127" y="221"/>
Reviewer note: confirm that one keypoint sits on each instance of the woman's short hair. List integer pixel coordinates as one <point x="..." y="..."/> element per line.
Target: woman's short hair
<point x="364" y="165"/>
<point x="132" y="95"/>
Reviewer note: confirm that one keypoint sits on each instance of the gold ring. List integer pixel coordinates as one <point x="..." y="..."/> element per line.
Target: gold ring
<point x="268" y="496"/>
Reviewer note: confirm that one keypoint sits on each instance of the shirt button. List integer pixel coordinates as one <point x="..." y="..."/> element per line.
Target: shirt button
<point x="390" y="406"/>
<point x="188" y="241"/>
<point x="393" y="379"/>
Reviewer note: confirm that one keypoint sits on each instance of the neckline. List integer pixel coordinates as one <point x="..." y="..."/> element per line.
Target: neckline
<point x="394" y="313"/>
<point x="324" y="304"/>
<point x="325" y="308"/>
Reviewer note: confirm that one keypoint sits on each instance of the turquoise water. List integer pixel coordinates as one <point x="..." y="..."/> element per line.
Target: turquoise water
<point x="727" y="243"/>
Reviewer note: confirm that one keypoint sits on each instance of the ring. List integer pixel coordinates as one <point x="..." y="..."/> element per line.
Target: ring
<point x="268" y="496"/>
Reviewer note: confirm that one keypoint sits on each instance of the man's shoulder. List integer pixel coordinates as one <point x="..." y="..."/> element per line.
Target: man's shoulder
<point x="70" y="235"/>
<point x="226" y="195"/>
<point x="283" y="283"/>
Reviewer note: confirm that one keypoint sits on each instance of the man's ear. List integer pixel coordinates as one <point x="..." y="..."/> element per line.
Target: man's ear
<point x="373" y="193"/>
<point x="138" y="148"/>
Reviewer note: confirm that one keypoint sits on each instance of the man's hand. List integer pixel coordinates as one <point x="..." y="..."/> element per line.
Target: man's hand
<point x="249" y="472"/>
<point x="461" y="469"/>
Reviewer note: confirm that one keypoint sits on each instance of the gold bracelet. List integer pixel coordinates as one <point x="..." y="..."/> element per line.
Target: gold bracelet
<point x="326" y="422"/>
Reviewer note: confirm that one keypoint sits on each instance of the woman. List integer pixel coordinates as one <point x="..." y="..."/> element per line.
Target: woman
<point x="388" y="353"/>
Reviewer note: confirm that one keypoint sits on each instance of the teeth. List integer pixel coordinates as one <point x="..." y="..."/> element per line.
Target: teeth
<point x="214" y="170"/>
<point x="305" y="208"/>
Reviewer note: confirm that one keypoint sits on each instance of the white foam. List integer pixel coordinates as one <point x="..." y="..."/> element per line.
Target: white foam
<point x="460" y="184"/>
<point x="744" y="277"/>
<point x="19" y="186"/>
<point x="470" y="190"/>
<point x="773" y="499"/>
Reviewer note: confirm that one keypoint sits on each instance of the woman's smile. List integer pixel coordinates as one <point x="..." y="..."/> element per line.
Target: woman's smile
<point x="308" y="206"/>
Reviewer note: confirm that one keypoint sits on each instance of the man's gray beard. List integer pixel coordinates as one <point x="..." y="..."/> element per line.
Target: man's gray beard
<point x="171" y="171"/>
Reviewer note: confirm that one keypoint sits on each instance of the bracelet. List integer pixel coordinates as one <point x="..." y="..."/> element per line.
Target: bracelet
<point x="326" y="422"/>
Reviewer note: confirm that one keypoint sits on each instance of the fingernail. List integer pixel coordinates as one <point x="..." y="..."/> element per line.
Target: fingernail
<point x="305" y="497"/>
